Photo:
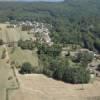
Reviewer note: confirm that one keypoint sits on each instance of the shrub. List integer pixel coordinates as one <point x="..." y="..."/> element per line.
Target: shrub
<point x="26" y="68"/>
<point x="83" y="57"/>
<point x="27" y="44"/>
<point x="3" y="54"/>
<point x="76" y="75"/>
<point x="48" y="72"/>
<point x="97" y="44"/>
<point x="98" y="68"/>
<point x="1" y="42"/>
<point x="53" y="50"/>
<point x="59" y="73"/>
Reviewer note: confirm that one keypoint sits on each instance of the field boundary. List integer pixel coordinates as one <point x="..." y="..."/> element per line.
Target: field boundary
<point x="12" y="89"/>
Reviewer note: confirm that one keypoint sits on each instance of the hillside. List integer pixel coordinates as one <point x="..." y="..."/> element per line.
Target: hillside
<point x="50" y="50"/>
<point x="74" y="21"/>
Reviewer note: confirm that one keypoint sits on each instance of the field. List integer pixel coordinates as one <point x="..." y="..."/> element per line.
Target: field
<point x="20" y="56"/>
<point x="40" y="87"/>
<point x="7" y="79"/>
<point x="36" y="86"/>
<point x="13" y="34"/>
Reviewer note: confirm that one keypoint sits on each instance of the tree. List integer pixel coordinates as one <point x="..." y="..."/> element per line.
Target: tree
<point x="53" y="50"/>
<point x="26" y="68"/>
<point x="59" y="72"/>
<point x="1" y="42"/>
<point x="97" y="44"/>
<point x="27" y="44"/>
<point x="76" y="75"/>
<point x="98" y="68"/>
<point x="83" y="57"/>
<point x="3" y="54"/>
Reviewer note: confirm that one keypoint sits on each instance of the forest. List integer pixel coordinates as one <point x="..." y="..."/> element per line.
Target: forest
<point x="74" y="21"/>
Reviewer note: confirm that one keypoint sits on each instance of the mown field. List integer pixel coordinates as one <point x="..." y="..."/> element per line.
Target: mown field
<point x="20" y="56"/>
<point x="12" y="34"/>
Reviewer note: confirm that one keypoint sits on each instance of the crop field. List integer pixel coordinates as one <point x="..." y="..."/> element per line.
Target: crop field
<point x="13" y="34"/>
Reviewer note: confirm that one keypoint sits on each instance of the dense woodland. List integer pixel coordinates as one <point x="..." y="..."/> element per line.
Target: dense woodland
<point x="74" y="21"/>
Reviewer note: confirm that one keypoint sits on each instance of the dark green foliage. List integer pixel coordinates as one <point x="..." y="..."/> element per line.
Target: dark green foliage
<point x="76" y="75"/>
<point x="27" y="44"/>
<point x="26" y="28"/>
<point x="1" y="42"/>
<point x="83" y="57"/>
<point x="59" y="68"/>
<point x="53" y="50"/>
<point x="97" y="44"/>
<point x="73" y="21"/>
<point x="3" y="54"/>
<point x="98" y="68"/>
<point x="50" y="65"/>
<point x="26" y="68"/>
<point x="59" y="72"/>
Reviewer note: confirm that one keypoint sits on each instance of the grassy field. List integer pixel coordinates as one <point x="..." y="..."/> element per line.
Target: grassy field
<point x="13" y="34"/>
<point x="6" y="72"/>
<point x="20" y="56"/>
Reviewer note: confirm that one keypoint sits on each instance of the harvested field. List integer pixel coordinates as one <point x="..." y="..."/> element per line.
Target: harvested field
<point x="40" y="87"/>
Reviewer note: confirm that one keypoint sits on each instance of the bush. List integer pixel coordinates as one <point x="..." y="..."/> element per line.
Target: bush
<point x="97" y="44"/>
<point x="27" y="44"/>
<point x="83" y="57"/>
<point x="76" y="75"/>
<point x="98" y="68"/>
<point x="3" y="54"/>
<point x="1" y="42"/>
<point x="53" y="50"/>
<point x="59" y="73"/>
<point x="48" y="72"/>
<point x="26" y="68"/>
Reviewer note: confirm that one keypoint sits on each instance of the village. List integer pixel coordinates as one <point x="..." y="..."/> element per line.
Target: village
<point x="11" y="33"/>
